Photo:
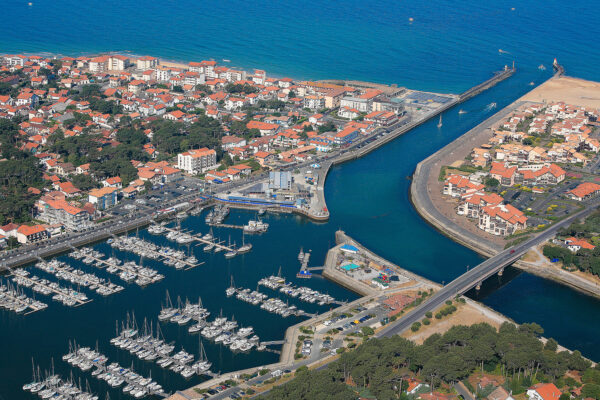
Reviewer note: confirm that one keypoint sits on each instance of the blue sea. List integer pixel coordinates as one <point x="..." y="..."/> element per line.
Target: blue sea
<point x="446" y="47"/>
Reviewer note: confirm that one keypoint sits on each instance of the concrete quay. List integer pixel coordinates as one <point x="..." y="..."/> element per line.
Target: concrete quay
<point x="355" y="152"/>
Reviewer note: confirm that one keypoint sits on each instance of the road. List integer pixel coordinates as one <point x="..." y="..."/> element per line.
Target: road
<point x="478" y="274"/>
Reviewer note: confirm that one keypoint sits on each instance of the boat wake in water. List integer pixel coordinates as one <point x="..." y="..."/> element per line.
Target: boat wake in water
<point x="490" y="106"/>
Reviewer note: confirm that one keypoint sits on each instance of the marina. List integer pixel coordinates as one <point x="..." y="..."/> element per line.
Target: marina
<point x="303" y="293"/>
<point x="68" y="297"/>
<point x="115" y="376"/>
<point x="54" y="387"/>
<point x="210" y="242"/>
<point x="12" y="298"/>
<point x="76" y="276"/>
<point x="129" y="271"/>
<point x="168" y="255"/>
<point x="272" y="305"/>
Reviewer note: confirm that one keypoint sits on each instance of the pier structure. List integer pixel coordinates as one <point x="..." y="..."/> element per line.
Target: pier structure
<point x="134" y="273"/>
<point x="145" y="248"/>
<point x="12" y="299"/>
<point x="27" y="281"/>
<point x="218" y="245"/>
<point x="230" y="226"/>
<point x="71" y="274"/>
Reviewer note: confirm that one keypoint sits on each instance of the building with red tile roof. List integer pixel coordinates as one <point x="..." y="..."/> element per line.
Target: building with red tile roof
<point x="584" y="191"/>
<point x="544" y="391"/>
<point x="31" y="234"/>
<point x="575" y="244"/>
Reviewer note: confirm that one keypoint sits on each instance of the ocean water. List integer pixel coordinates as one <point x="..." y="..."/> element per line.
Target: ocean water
<point x="448" y="47"/>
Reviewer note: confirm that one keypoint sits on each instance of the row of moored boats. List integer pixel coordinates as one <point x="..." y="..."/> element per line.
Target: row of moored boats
<point x="116" y="376"/>
<point x="303" y="293"/>
<point x="168" y="255"/>
<point x="128" y="271"/>
<point x="12" y="298"/>
<point x="78" y="277"/>
<point x="68" y="296"/>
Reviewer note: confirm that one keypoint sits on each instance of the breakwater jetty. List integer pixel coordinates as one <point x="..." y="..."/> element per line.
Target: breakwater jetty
<point x="382" y="137"/>
<point x="421" y="197"/>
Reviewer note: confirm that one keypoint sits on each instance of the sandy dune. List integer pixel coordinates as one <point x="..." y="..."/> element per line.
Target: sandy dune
<point x="568" y="90"/>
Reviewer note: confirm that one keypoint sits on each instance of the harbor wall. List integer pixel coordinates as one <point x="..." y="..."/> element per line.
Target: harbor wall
<point x="355" y="154"/>
<point x="420" y="199"/>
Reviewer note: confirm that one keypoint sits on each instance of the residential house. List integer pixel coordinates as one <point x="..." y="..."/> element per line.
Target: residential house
<point x="500" y="394"/>
<point x="544" y="391"/>
<point x="114" y="182"/>
<point x="584" y="191"/>
<point x="264" y="158"/>
<point x="31" y="234"/>
<point x="576" y="244"/>
<point x="265" y="128"/>
<point x="230" y="142"/>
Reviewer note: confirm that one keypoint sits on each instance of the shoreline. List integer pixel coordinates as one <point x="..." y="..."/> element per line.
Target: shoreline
<point x="367" y="294"/>
<point x="421" y="198"/>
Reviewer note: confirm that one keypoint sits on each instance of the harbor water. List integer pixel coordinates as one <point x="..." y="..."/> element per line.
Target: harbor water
<point x="448" y="47"/>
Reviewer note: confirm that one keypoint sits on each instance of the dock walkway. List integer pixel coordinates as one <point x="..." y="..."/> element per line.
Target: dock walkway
<point x="60" y="290"/>
<point x="199" y="239"/>
<point x="13" y="295"/>
<point x="140" y="250"/>
<point x="65" y="270"/>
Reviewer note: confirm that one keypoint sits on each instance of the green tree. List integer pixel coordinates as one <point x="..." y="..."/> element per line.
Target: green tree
<point x="492" y="182"/>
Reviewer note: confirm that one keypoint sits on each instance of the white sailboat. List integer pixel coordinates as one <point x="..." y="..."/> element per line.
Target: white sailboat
<point x="439" y="125"/>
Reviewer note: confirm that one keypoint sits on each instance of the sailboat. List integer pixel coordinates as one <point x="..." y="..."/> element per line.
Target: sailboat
<point x="246" y="247"/>
<point x="230" y="291"/>
<point x="439" y="125"/>
<point x="231" y="253"/>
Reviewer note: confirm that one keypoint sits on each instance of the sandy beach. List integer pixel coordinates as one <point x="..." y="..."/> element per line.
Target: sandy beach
<point x="173" y="64"/>
<point x="568" y="90"/>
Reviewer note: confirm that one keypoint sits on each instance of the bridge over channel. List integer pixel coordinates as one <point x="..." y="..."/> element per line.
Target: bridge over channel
<point x="481" y="272"/>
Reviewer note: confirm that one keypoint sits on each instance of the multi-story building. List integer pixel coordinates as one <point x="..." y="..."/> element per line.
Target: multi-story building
<point x="146" y="63"/>
<point x="197" y="161"/>
<point x="61" y="212"/>
<point x="502" y="219"/>
<point x="103" y="198"/>
<point x="31" y="234"/>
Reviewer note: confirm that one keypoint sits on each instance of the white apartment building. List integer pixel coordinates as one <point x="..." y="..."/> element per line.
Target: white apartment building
<point x="197" y="161"/>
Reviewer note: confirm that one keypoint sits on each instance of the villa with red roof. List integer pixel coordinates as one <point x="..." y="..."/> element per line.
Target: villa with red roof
<point x="584" y="191"/>
<point x="544" y="391"/>
<point x="575" y="244"/>
<point x="502" y="219"/>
